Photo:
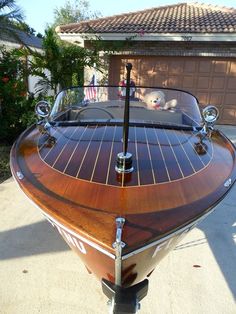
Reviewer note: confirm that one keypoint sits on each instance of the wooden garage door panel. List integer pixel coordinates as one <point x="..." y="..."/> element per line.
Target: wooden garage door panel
<point x="174" y="81"/>
<point x="176" y="67"/>
<point x="220" y="67"/>
<point x="189" y="82"/>
<point x="161" y="66"/>
<point x="160" y="81"/>
<point x="203" y="82"/>
<point x="230" y="99"/>
<point x="211" y="80"/>
<point x="228" y="114"/>
<point x="231" y="84"/>
<point x="232" y="68"/>
<point x="218" y="82"/>
<point x="203" y="97"/>
<point x="190" y="66"/>
<point x="204" y="66"/>
<point x="216" y="99"/>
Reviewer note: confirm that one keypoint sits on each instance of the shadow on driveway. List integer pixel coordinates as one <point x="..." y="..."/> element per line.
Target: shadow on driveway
<point x="220" y="230"/>
<point x="34" y="239"/>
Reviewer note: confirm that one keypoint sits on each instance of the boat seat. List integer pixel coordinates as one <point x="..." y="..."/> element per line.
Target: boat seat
<point x="135" y="114"/>
<point x="115" y="109"/>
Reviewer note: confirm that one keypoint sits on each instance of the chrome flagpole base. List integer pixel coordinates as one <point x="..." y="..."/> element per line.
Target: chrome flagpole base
<point x="124" y="163"/>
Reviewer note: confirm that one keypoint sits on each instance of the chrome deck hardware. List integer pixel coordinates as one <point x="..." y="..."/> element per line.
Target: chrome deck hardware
<point x="118" y="245"/>
<point x="228" y="183"/>
<point x="20" y="175"/>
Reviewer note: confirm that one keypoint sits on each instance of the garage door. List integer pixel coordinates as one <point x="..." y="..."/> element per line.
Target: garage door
<point x="211" y="80"/>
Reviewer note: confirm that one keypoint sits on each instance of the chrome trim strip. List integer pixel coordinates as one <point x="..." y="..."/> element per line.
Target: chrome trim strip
<point x="118" y="246"/>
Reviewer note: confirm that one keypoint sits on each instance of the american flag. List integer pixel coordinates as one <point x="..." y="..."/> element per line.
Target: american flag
<point x="91" y="91"/>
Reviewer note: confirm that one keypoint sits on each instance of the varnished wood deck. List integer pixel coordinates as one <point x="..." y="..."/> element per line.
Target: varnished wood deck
<point x="75" y="181"/>
<point x="159" y="156"/>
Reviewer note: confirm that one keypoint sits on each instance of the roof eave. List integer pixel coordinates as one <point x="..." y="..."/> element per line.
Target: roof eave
<point x="13" y="45"/>
<point x="202" y="37"/>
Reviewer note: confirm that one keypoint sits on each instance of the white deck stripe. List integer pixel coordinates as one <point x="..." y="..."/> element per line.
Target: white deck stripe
<point x="72" y="154"/>
<point x="62" y="150"/>
<point x="166" y="133"/>
<point x="111" y="151"/>
<point x="163" y="158"/>
<point x="150" y="157"/>
<point x="136" y="150"/>
<point x="184" y="151"/>
<point x="81" y="164"/>
<point x="192" y="147"/>
<point x="53" y="145"/>
<point x="99" y="149"/>
<point x="45" y="142"/>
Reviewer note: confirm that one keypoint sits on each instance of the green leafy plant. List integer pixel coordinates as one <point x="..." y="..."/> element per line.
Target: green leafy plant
<point x="64" y="61"/>
<point x="4" y="163"/>
<point x="11" y="17"/>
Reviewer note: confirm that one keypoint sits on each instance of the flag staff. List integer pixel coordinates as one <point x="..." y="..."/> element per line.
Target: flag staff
<point x="124" y="159"/>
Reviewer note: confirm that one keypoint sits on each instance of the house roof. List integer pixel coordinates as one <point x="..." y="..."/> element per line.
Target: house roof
<point x="31" y="40"/>
<point x="179" y="18"/>
<point x="27" y="39"/>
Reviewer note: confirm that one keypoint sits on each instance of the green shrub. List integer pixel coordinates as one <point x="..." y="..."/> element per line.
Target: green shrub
<point x="5" y="172"/>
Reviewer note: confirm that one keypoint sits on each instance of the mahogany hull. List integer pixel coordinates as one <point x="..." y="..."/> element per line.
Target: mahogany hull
<point x="74" y="183"/>
<point x="136" y="266"/>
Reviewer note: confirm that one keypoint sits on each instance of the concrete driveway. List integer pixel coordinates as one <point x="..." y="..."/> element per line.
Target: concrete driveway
<point x="40" y="274"/>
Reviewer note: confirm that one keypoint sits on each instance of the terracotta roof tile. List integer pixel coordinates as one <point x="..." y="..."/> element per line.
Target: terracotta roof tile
<point x="179" y="18"/>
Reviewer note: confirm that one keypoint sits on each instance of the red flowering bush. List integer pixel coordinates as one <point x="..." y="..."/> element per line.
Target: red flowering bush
<point x="14" y="104"/>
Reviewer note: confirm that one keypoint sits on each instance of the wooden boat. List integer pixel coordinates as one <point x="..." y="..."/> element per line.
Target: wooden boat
<point x="121" y="182"/>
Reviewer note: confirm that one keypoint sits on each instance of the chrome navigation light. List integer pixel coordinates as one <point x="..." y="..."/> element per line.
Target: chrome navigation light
<point x="43" y="109"/>
<point x="210" y="115"/>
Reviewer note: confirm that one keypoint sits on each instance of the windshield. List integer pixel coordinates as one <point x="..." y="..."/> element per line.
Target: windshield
<point x="147" y="105"/>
